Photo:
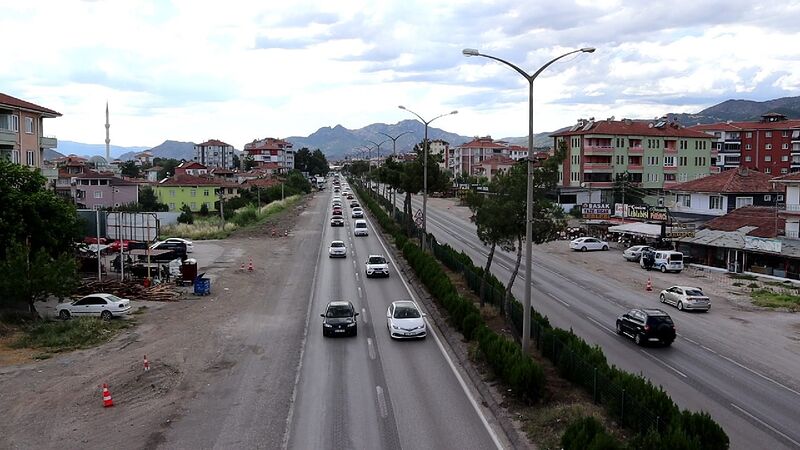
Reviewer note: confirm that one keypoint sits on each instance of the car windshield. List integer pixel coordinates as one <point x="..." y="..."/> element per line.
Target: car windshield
<point x="377" y="260"/>
<point x="406" y="312"/>
<point x="656" y="320"/>
<point x="337" y="244"/>
<point x="361" y="225"/>
<point x="339" y="311"/>
<point x="694" y="292"/>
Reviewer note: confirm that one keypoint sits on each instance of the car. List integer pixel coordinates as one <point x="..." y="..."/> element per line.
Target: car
<point x="179" y="248"/>
<point x="337" y="250"/>
<point x="106" y="306"/>
<point x="405" y="321"/>
<point x="588" y="243"/>
<point x="354" y="204"/>
<point x="336" y="189"/>
<point x="686" y="298"/>
<point x="337" y="211"/>
<point x="116" y="244"/>
<point x="360" y="228"/>
<point x="635" y="252"/>
<point x="350" y="196"/>
<point x="377" y="266"/>
<point x="339" y="318"/>
<point x="664" y="260"/>
<point x="357" y="213"/>
<point x="189" y="244"/>
<point x="646" y="325"/>
<point x="337" y="220"/>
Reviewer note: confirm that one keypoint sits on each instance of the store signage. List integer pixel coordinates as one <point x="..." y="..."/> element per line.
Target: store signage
<point x="645" y="212"/>
<point x="638" y="212"/>
<point x="763" y="244"/>
<point x="658" y="214"/>
<point x="596" y="211"/>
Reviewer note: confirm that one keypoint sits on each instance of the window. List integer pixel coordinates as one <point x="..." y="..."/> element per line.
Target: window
<point x="194" y="206"/>
<point x="767" y="198"/>
<point x="743" y="201"/>
<point x="768" y="134"/>
<point x="205" y="193"/>
<point x="30" y="159"/>
<point x="208" y="205"/>
<point x="715" y="202"/>
<point x="14" y="123"/>
<point x="767" y="158"/>
<point x="669" y="161"/>
<point x="784" y="171"/>
<point x="747" y="147"/>
<point x="768" y="147"/>
<point x="749" y="134"/>
<point x="29" y="125"/>
<point x="767" y="170"/>
<point x="98" y="206"/>
<point x="748" y="158"/>
<point x="98" y="194"/>
<point x="784" y="158"/>
<point x="684" y="200"/>
<point x="785" y="133"/>
<point x="780" y="197"/>
<point x="15" y="156"/>
<point x="785" y="146"/>
<point x="193" y="192"/>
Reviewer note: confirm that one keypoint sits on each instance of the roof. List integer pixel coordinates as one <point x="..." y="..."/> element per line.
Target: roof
<point x="720" y="126"/>
<point x="268" y="144"/>
<point x="214" y="142"/>
<point x="736" y="240"/>
<point x="630" y="127"/>
<point x="759" y="221"/>
<point x="497" y="160"/>
<point x="221" y="171"/>
<point x="261" y="182"/>
<point x="482" y="142"/>
<point x="777" y="125"/>
<point x="739" y="180"/>
<point x="190" y="165"/>
<point x="793" y="177"/>
<point x="111" y="176"/>
<point x="638" y="228"/>
<point x="8" y="100"/>
<point x="192" y="180"/>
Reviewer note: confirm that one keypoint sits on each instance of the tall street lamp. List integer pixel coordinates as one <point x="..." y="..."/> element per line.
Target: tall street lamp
<point x="378" y="153"/>
<point x="425" y="170"/>
<point x="526" y="304"/>
<point x="394" y="153"/>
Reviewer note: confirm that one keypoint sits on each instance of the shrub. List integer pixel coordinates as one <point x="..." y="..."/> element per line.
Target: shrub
<point x="588" y="433"/>
<point x="186" y="215"/>
<point x="204" y="210"/>
<point x="469" y="325"/>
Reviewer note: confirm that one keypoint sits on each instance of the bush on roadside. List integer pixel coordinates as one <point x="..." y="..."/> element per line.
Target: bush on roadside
<point x="588" y="433"/>
<point x="186" y="215"/>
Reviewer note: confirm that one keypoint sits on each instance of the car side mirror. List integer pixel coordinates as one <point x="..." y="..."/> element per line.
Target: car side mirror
<point x="388" y="315"/>
<point x="322" y="315"/>
<point x="424" y="315"/>
<point x="354" y="315"/>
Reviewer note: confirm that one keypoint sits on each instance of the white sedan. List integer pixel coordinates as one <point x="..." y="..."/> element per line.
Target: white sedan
<point x="104" y="305"/>
<point x="588" y="243"/>
<point x="189" y="245"/>
<point x="405" y="321"/>
<point x="337" y="250"/>
<point x="685" y="298"/>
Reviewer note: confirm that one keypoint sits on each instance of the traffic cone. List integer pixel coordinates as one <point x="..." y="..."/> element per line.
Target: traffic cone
<point x="649" y="284"/>
<point x="146" y="364"/>
<point x="107" y="397"/>
<point x="250" y="265"/>
<point x="285" y="233"/>
<point x="242" y="268"/>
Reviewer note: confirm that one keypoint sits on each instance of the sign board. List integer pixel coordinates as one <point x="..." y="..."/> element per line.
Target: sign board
<point x="595" y="211"/>
<point x="762" y="244"/>
<point x="620" y="209"/>
<point x="677" y="233"/>
<point x="638" y="212"/>
<point x="645" y="212"/>
<point x="132" y="226"/>
<point x="658" y="214"/>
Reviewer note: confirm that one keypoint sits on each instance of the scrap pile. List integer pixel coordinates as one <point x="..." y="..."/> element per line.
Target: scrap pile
<point x="164" y="292"/>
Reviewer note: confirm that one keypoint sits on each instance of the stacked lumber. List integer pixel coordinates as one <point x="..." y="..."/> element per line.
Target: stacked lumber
<point x="164" y="292"/>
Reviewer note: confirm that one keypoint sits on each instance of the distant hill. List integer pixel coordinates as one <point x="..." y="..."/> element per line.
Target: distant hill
<point x="89" y="150"/>
<point x="540" y="140"/>
<point x="741" y="110"/>
<point x="168" y="149"/>
<point x="50" y="155"/>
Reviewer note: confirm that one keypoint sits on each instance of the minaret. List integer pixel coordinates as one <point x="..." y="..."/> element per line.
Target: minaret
<point x="108" y="141"/>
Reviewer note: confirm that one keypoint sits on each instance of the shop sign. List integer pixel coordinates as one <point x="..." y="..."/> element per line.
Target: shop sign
<point x="762" y="244"/>
<point x="595" y="211"/>
<point x="658" y="214"/>
<point x="619" y="209"/>
<point x="638" y="212"/>
<point x="677" y="233"/>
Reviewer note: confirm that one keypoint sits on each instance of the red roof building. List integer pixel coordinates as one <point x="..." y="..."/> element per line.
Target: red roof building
<point x="271" y="150"/>
<point x="494" y="165"/>
<point x="214" y="153"/>
<point x="22" y="138"/>
<point x="465" y="158"/>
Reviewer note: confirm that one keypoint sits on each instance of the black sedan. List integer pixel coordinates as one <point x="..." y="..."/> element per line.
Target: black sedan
<point x="339" y="319"/>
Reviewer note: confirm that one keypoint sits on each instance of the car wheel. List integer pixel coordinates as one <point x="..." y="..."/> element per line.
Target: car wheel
<point x="605" y="247"/>
<point x="583" y="249"/>
<point x="355" y="332"/>
<point x="680" y="306"/>
<point x="638" y="339"/>
<point x="663" y="269"/>
<point x="663" y="300"/>
<point x="106" y="315"/>
<point x="619" y="329"/>
<point x="63" y="314"/>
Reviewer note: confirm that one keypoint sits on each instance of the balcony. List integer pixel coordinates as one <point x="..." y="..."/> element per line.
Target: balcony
<point x="597" y="167"/>
<point x="7" y="137"/>
<point x="636" y="150"/>
<point x="635" y="168"/>
<point x="792" y="208"/>
<point x="598" y="150"/>
<point x="670" y="169"/>
<point x="670" y="150"/>
<point x="48" y="142"/>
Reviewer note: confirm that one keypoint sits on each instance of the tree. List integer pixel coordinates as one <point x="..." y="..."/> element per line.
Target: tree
<point x="313" y="163"/>
<point x="411" y="180"/>
<point x="237" y="162"/>
<point x="297" y="183"/>
<point x="33" y="275"/>
<point x="149" y="201"/>
<point x="204" y="210"/>
<point x="626" y="191"/>
<point x="186" y="215"/>
<point x="130" y="169"/>
<point x="248" y="163"/>
<point x="167" y="165"/>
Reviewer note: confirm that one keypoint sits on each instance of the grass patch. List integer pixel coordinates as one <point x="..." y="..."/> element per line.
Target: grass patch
<point x="769" y="299"/>
<point x="753" y="285"/>
<point x="59" y="336"/>
<point x="548" y="422"/>
<point x="738" y="276"/>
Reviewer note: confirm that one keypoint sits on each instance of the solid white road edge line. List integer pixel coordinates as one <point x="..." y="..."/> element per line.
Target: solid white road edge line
<point x="447" y="358"/>
<point x="766" y="425"/>
<point x="382" y="402"/>
<point x="664" y="364"/>
<point x="371" y="348"/>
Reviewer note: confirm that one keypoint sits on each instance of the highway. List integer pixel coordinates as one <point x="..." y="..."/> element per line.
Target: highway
<point x="757" y="410"/>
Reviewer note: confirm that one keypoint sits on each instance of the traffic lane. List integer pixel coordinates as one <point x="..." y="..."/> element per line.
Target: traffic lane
<point x="741" y="430"/>
<point x="417" y="373"/>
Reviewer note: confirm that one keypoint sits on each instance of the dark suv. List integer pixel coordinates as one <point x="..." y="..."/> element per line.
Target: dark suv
<point x="646" y="326"/>
<point x="339" y="319"/>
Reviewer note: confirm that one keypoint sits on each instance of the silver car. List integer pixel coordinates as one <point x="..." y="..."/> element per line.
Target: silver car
<point x="635" y="252"/>
<point x="337" y="250"/>
<point x="686" y="298"/>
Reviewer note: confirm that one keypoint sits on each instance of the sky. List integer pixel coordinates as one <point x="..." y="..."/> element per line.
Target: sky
<point x="235" y="70"/>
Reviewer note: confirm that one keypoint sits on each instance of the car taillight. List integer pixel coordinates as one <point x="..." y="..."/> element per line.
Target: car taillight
<point x="647" y="328"/>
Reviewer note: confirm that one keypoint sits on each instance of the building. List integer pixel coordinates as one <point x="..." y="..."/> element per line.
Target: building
<point x="192" y="190"/>
<point x="68" y="168"/>
<point x="494" y="165"/>
<point x="655" y="154"/>
<point x="271" y="150"/>
<point x="770" y="145"/>
<point x="151" y="174"/>
<point x="214" y="153"/>
<point x="191" y="168"/>
<point x="100" y="190"/>
<point x="439" y="147"/>
<point x="791" y="209"/>
<point x="517" y="152"/>
<point x="719" y="194"/>
<point x="465" y="158"/>
<point x="144" y="158"/>
<point x="22" y="138"/>
<point x="727" y="150"/>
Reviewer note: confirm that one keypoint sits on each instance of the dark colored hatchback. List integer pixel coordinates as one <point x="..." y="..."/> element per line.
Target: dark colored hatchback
<point x="339" y="319"/>
<point x="646" y="326"/>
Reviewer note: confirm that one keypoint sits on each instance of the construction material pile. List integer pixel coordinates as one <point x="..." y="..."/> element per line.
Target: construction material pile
<point x="131" y="290"/>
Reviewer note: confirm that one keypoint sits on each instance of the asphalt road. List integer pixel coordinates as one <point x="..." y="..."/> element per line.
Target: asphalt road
<point x="756" y="410"/>
<point x="369" y="391"/>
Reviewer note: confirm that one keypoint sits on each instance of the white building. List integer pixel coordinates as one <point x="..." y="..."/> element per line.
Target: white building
<point x="214" y="153"/>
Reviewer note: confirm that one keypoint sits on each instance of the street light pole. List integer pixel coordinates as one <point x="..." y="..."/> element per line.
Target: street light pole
<point x="425" y="171"/>
<point x="378" y="150"/>
<point x="526" y="304"/>
<point x="394" y="153"/>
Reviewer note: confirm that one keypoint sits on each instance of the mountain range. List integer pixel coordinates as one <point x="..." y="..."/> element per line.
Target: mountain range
<point x="339" y="142"/>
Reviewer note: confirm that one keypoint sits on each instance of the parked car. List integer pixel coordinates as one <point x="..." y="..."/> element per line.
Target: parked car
<point x="405" y="321"/>
<point x="115" y="245"/>
<point x="339" y="318"/>
<point x="663" y="260"/>
<point x="377" y="266"/>
<point x="105" y="306"/>
<point x="646" y="326"/>
<point x="178" y="248"/>
<point x="337" y="220"/>
<point x="686" y="297"/>
<point x="635" y="252"/>
<point x="189" y="244"/>
<point x="588" y="243"/>
<point x="337" y="250"/>
<point x="357" y="213"/>
<point x="360" y="228"/>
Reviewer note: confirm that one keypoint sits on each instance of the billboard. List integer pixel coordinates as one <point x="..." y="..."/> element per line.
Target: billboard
<point x="132" y="226"/>
<point x="596" y="211"/>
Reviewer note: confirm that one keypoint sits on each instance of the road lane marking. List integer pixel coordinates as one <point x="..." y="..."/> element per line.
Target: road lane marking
<point x="664" y="364"/>
<point x="797" y="444"/>
<point x="370" y="348"/>
<point x="359" y="288"/>
<point x="382" y="402"/>
<point x="558" y="299"/>
<point x="364" y="314"/>
<point x="777" y="383"/>
<point x="708" y="349"/>
<point x="602" y="325"/>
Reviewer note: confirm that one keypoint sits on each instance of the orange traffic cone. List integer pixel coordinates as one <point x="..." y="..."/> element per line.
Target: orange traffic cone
<point x="649" y="284"/>
<point x="146" y="364"/>
<point x="107" y="397"/>
<point x="250" y="265"/>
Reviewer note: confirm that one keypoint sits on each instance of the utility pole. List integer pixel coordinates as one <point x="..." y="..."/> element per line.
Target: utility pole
<point x="221" y="209"/>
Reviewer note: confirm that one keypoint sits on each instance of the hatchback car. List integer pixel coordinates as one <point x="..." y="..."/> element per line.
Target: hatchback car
<point x="187" y="242"/>
<point x="337" y="220"/>
<point x="686" y="297"/>
<point x="635" y="252"/>
<point x="339" y="319"/>
<point x="646" y="326"/>
<point x="405" y="321"/>
<point x="105" y="306"/>
<point x="354" y="204"/>
<point x="357" y="213"/>
<point x="588" y="243"/>
<point x="337" y="250"/>
<point x="377" y="266"/>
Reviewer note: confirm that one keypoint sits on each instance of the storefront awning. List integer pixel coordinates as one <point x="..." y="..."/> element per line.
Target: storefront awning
<point x="638" y="228"/>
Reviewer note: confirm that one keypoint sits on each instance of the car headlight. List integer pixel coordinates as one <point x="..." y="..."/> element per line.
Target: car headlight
<point x="327" y="325"/>
<point x="395" y="327"/>
<point x="351" y="324"/>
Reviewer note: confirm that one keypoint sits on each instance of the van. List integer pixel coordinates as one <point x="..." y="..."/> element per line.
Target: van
<point x="663" y="260"/>
<point x="360" y="228"/>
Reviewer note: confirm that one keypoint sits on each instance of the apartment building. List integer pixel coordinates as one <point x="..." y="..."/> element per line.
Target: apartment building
<point x="214" y="153"/>
<point x="439" y="147"/>
<point x="466" y="158"/>
<point x="655" y="154"/>
<point x="99" y="190"/>
<point x="22" y="139"/>
<point x="271" y="150"/>
<point x="726" y="152"/>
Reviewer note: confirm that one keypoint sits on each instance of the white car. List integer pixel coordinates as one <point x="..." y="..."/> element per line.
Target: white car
<point x="357" y="213"/>
<point x="360" y="228"/>
<point x="588" y="243"/>
<point x="405" y="321"/>
<point x="104" y="305"/>
<point x="635" y="252"/>
<point x="377" y="266"/>
<point x="686" y="297"/>
<point x="337" y="250"/>
<point x="189" y="245"/>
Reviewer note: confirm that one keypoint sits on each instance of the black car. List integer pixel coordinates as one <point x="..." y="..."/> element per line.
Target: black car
<point x="646" y="326"/>
<point x="339" y="319"/>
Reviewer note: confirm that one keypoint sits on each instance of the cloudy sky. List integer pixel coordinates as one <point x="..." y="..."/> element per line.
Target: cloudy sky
<point x="238" y="70"/>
